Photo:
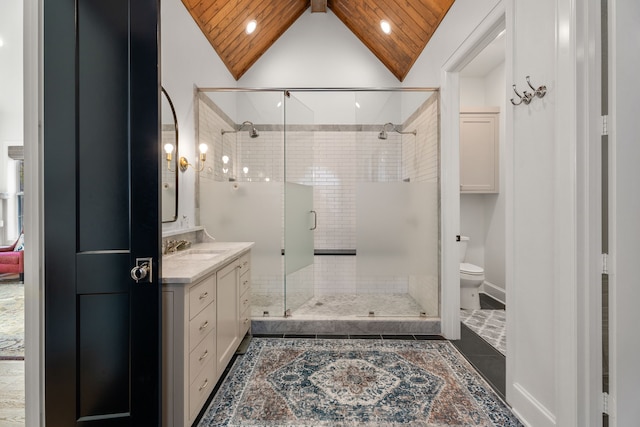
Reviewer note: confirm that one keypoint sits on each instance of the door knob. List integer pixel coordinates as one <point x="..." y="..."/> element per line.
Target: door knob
<point x="142" y="270"/>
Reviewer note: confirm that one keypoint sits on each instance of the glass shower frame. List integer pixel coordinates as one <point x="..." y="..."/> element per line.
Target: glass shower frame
<point x="287" y="114"/>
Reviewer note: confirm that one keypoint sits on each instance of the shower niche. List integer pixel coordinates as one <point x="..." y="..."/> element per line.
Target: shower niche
<point x="339" y="190"/>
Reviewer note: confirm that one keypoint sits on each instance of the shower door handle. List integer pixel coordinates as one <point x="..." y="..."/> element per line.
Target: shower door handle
<point x="315" y="220"/>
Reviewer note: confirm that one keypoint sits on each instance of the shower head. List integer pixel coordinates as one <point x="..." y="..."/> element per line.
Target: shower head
<point x="253" y="132"/>
<point x="383" y="131"/>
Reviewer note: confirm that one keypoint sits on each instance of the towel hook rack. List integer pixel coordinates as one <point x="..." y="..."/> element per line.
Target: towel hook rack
<point x="526" y="96"/>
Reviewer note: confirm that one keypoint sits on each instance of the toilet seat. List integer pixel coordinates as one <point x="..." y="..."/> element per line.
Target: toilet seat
<point x="471" y="269"/>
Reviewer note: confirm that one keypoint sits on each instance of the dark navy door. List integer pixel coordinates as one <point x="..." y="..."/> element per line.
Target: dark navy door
<point x="101" y="213"/>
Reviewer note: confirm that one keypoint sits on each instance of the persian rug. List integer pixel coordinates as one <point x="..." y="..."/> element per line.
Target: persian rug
<point x="11" y="321"/>
<point x="339" y="383"/>
<point x="489" y="324"/>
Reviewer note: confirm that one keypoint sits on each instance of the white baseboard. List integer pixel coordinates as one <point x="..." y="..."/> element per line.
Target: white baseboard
<point x="494" y="291"/>
<point x="528" y="409"/>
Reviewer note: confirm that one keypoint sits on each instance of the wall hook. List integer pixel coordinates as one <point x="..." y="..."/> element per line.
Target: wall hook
<point x="540" y="92"/>
<point x="514" y="102"/>
<point x="526" y="97"/>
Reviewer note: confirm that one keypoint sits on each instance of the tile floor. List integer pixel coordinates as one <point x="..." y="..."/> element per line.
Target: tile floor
<point x="486" y="359"/>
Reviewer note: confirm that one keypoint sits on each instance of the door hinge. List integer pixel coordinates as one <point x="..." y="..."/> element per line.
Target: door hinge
<point x="605" y="128"/>
<point x="605" y="263"/>
<point x="605" y="402"/>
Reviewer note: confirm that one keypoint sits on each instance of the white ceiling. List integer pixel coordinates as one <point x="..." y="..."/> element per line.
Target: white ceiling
<point x="487" y="60"/>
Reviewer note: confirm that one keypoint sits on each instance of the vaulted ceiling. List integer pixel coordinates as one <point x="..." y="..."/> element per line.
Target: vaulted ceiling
<point x="412" y="23"/>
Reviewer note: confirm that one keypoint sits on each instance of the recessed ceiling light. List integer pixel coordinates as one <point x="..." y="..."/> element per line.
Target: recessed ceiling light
<point x="357" y="104"/>
<point x="386" y="27"/>
<point x="1" y="43"/>
<point x="251" y="27"/>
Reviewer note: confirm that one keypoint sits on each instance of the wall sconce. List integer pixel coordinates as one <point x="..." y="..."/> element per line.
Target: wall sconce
<point x="168" y="148"/>
<point x="183" y="163"/>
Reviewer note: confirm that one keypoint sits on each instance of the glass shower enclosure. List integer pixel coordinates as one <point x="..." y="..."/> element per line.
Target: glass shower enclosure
<point x="339" y="190"/>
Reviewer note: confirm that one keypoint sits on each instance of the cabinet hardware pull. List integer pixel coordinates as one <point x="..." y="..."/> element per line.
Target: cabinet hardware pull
<point x="204" y="356"/>
<point x="204" y="295"/>
<point x="246" y="320"/>
<point x="204" y="385"/>
<point x="204" y="325"/>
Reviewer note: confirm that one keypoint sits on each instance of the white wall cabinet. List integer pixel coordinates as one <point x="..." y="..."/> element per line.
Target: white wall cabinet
<point x="479" y="151"/>
<point x="203" y="324"/>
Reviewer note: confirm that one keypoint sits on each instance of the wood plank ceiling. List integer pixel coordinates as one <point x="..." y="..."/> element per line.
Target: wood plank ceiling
<point x="412" y="23"/>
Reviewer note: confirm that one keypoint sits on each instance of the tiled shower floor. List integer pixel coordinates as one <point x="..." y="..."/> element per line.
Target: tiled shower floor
<point x="350" y="305"/>
<point x="340" y="306"/>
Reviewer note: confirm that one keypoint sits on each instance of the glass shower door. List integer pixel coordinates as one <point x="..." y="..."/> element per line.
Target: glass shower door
<point x="300" y="219"/>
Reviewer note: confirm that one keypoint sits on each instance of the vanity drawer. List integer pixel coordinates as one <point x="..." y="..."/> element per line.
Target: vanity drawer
<point x="201" y="325"/>
<point x="245" y="282"/>
<point x="245" y="302"/>
<point x="201" y="355"/>
<point x="201" y="388"/>
<point x="245" y="263"/>
<point x="201" y="295"/>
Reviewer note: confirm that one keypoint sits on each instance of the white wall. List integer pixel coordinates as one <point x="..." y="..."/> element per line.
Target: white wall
<point x="472" y="225"/>
<point x="187" y="60"/>
<point x="11" y="99"/>
<point x="531" y="386"/>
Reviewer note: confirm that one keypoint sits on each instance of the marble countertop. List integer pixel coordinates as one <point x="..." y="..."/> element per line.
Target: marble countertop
<point x="183" y="268"/>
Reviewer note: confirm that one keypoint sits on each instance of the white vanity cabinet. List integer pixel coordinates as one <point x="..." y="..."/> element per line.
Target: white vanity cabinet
<point x="479" y="150"/>
<point x="201" y="330"/>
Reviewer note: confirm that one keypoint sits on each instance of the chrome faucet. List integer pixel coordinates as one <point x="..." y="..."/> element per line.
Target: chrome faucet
<point x="172" y="246"/>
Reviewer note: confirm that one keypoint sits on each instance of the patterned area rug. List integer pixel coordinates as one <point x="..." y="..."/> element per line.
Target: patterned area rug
<point x="11" y="321"/>
<point x="304" y="382"/>
<point x="489" y="324"/>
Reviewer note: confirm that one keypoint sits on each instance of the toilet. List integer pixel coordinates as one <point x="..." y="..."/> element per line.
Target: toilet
<point x="471" y="277"/>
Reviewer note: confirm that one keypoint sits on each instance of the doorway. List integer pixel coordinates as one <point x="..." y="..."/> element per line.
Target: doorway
<point x="482" y="210"/>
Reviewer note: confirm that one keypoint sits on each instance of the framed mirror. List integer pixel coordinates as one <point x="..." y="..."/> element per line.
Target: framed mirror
<point x="169" y="145"/>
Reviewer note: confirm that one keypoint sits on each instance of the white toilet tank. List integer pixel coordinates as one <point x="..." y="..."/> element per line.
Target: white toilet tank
<point x="464" y="241"/>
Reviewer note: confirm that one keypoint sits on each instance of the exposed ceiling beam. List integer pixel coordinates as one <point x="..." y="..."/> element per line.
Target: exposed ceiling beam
<point x="319" y="6"/>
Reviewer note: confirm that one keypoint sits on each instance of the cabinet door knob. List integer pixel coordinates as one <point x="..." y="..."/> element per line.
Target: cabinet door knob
<point x="204" y="355"/>
<point x="204" y="295"/>
<point x="204" y="325"/>
<point x="204" y="385"/>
